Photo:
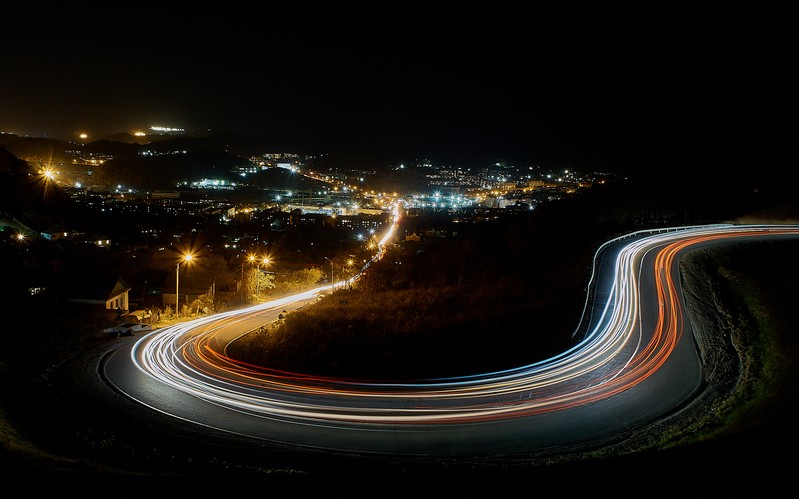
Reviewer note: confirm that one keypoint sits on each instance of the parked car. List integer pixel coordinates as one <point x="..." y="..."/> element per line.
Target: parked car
<point x="127" y="329"/>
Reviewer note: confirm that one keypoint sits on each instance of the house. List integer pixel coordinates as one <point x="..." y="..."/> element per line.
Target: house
<point x="99" y="293"/>
<point x="102" y="292"/>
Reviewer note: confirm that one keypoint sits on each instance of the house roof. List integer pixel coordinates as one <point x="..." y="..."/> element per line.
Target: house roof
<point x="93" y="287"/>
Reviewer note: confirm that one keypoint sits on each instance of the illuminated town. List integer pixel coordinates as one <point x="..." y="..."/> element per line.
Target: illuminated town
<point x="345" y="194"/>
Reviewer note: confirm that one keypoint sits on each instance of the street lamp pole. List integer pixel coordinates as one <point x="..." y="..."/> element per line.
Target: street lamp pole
<point x="264" y="261"/>
<point x="177" y="289"/>
<point x="258" y="282"/>
<point x="185" y="258"/>
<point x="332" y="279"/>
<point x="251" y="259"/>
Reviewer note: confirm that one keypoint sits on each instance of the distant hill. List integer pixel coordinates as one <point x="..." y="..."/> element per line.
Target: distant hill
<point x="168" y="170"/>
<point x="26" y="195"/>
<point x="160" y="162"/>
<point x="342" y="155"/>
<point x="5" y="137"/>
<point x="35" y="149"/>
<point x="11" y="165"/>
<point x="126" y="138"/>
<point x="282" y="179"/>
<point x="231" y="143"/>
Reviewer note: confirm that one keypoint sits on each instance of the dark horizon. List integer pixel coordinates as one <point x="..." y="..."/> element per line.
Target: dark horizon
<point x="697" y="92"/>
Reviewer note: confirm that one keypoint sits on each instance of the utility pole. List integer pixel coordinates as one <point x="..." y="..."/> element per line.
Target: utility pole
<point x="177" y="289"/>
<point x="332" y="279"/>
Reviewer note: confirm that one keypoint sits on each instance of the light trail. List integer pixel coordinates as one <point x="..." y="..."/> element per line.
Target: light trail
<point x="620" y="350"/>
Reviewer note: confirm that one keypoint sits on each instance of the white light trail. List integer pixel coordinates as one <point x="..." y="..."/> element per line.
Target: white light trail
<point x="617" y="352"/>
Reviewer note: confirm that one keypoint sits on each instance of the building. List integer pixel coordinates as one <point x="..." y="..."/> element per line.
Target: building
<point x="103" y="292"/>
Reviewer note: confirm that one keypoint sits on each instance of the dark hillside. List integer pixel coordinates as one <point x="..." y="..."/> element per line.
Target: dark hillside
<point x="482" y="296"/>
<point x="27" y="195"/>
<point x="232" y="143"/>
<point x="169" y="171"/>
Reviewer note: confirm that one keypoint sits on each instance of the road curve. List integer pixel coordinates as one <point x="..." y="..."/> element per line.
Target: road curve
<point x="636" y="362"/>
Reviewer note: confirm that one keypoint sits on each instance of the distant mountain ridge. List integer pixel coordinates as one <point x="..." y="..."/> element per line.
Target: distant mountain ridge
<point x="41" y="149"/>
<point x="125" y="144"/>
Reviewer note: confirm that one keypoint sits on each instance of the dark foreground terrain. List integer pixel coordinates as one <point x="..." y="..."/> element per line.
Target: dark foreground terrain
<point x="739" y="434"/>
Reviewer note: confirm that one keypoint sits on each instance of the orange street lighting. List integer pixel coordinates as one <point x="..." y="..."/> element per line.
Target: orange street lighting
<point x="187" y="259"/>
<point x="264" y="261"/>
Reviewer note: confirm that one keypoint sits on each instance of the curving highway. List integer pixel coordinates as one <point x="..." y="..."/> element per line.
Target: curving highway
<point x="637" y="361"/>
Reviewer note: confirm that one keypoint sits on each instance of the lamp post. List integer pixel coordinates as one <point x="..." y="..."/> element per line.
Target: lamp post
<point x="20" y="239"/>
<point x="258" y="281"/>
<point x="332" y="279"/>
<point x="251" y="259"/>
<point x="264" y="261"/>
<point x="348" y="275"/>
<point x="187" y="259"/>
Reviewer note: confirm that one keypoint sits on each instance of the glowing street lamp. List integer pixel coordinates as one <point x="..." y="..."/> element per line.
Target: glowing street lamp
<point x="187" y="259"/>
<point x="20" y="237"/>
<point x="264" y="261"/>
<point x="251" y="259"/>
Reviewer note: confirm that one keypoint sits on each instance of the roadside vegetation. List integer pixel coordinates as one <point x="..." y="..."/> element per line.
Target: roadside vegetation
<point x="439" y="307"/>
<point x="740" y="298"/>
<point x="754" y="286"/>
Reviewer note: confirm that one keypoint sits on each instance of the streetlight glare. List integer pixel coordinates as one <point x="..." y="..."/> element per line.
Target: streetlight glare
<point x="264" y="261"/>
<point x="187" y="258"/>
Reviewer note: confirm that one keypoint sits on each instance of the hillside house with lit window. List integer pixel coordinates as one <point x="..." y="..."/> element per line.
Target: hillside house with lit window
<point x="102" y="293"/>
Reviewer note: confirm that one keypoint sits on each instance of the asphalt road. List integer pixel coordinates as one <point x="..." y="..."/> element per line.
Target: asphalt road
<point x="638" y="361"/>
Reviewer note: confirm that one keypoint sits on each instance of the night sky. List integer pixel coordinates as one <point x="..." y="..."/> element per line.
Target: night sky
<point x="633" y="90"/>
